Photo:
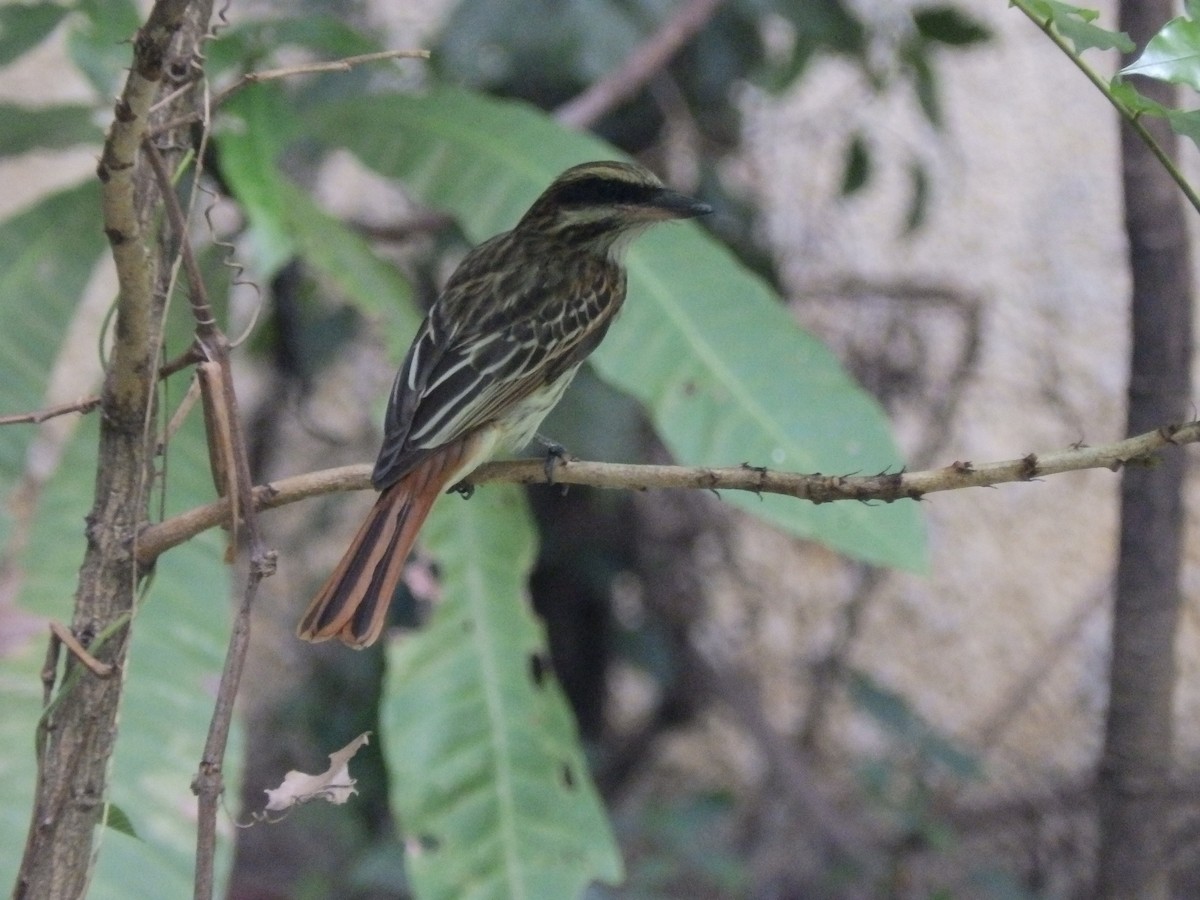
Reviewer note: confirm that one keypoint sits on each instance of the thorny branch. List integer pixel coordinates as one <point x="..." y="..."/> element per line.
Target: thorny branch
<point x="76" y="733"/>
<point x="817" y="488"/>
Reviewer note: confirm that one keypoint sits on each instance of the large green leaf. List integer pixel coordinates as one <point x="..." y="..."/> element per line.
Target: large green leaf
<point x="46" y="257"/>
<point x="1172" y="55"/>
<point x="488" y="779"/>
<point x="47" y="254"/>
<point x="99" y="41"/>
<point x="52" y="128"/>
<point x="726" y="374"/>
<point x="178" y="646"/>
<point x="25" y="25"/>
<point x="287" y="223"/>
<point x="248" y="43"/>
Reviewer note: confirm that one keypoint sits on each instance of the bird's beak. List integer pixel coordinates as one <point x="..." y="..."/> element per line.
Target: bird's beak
<point x="669" y="204"/>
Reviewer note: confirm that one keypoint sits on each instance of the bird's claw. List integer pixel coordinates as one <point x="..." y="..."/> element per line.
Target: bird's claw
<point x="556" y="454"/>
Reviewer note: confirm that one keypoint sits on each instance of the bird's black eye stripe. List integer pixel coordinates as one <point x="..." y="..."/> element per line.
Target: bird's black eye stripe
<point x="596" y="190"/>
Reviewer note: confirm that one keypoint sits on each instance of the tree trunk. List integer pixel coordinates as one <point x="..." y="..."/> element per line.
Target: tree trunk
<point x="1135" y="766"/>
<point x="78" y="729"/>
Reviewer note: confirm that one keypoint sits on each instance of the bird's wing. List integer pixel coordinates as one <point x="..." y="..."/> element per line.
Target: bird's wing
<point x="465" y="371"/>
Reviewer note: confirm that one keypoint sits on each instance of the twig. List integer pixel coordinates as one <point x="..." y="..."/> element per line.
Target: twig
<point x="640" y="66"/>
<point x="208" y="335"/>
<point x="231" y="470"/>
<point x="337" y="65"/>
<point x="209" y="783"/>
<point x="159" y="538"/>
<point x="68" y="640"/>
<point x="86" y="405"/>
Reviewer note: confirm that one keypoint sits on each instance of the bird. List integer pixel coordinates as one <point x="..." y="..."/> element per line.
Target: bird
<point x="493" y="356"/>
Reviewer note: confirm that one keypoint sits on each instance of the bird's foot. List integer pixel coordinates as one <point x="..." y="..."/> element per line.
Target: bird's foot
<point x="556" y="454"/>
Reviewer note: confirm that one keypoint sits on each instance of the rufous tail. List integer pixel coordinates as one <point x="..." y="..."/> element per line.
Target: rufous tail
<point x="353" y="603"/>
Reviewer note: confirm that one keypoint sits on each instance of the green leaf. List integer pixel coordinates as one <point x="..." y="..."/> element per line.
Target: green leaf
<point x="706" y="346"/>
<point x="25" y="25"/>
<point x="925" y="85"/>
<point x="950" y="25"/>
<point x="1172" y="55"/>
<point x="179" y="637"/>
<point x="488" y="779"/>
<point x="118" y="820"/>
<point x="896" y="716"/>
<point x="918" y="205"/>
<point x="287" y="223"/>
<point x="1129" y="97"/>
<point x="249" y="43"/>
<point x="100" y="41"/>
<point x="1186" y="123"/>
<point x="858" y="167"/>
<point x="248" y="155"/>
<point x="47" y="255"/>
<point x="1075" y="24"/>
<point x="48" y="128"/>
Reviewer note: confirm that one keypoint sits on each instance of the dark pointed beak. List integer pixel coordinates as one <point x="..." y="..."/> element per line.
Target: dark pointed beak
<point x="674" y="205"/>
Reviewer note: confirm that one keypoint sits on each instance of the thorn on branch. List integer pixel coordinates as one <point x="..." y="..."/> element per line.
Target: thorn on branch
<point x="123" y="112"/>
<point x="1029" y="467"/>
<point x="1168" y="432"/>
<point x="263" y="566"/>
<point x="761" y="472"/>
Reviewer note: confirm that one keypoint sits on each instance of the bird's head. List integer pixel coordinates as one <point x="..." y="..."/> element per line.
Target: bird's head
<point x="604" y="204"/>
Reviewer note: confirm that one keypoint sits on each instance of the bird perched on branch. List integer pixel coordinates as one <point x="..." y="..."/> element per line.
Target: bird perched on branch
<point x="493" y="356"/>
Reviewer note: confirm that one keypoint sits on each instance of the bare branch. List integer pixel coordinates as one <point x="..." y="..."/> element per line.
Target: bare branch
<point x="337" y="65"/>
<point x="159" y="538"/>
<point x="209" y="783"/>
<point x="84" y="405"/>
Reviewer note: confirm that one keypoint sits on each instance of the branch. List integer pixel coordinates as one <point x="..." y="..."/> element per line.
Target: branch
<point x="337" y="65"/>
<point x="647" y="59"/>
<point x="85" y="405"/>
<point x="231" y="469"/>
<point x="76" y="734"/>
<point x="159" y="538"/>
